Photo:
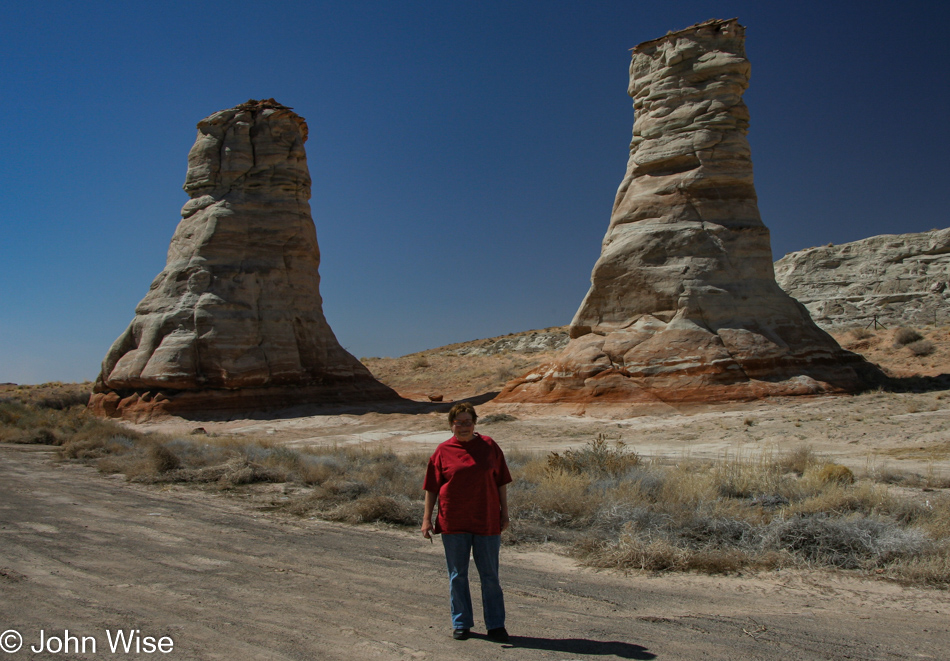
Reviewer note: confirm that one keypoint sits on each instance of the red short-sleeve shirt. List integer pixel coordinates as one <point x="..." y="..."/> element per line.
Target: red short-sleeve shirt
<point x="467" y="476"/>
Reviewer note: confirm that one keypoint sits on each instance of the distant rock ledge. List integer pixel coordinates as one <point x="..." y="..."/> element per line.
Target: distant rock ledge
<point x="896" y="279"/>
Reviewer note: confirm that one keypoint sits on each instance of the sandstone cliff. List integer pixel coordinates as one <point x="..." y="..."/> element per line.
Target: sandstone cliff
<point x="897" y="279"/>
<point x="235" y="320"/>
<point x="683" y="304"/>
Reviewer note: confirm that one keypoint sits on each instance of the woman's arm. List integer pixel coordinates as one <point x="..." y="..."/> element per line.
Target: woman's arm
<point x="427" y="514"/>
<point x="503" y="500"/>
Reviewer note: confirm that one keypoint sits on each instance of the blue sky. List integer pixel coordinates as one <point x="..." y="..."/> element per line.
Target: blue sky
<point x="464" y="155"/>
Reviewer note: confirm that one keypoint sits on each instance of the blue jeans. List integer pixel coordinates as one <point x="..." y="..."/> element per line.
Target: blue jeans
<point x="484" y="549"/>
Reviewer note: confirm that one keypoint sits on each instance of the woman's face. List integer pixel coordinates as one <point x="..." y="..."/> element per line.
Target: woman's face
<point x="463" y="427"/>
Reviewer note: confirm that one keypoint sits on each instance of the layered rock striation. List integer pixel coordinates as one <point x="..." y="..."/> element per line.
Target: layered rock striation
<point x="892" y="279"/>
<point x="235" y="320"/>
<point x="683" y="304"/>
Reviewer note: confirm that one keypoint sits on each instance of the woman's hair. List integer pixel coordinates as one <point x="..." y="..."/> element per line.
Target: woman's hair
<point x="462" y="407"/>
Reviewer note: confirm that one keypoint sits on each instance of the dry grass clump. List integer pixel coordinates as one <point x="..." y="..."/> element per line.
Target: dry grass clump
<point x="905" y="336"/>
<point x="385" y="509"/>
<point x="420" y="362"/>
<point x="860" y="333"/>
<point x="922" y="347"/>
<point x="797" y="460"/>
<point x="835" y="473"/>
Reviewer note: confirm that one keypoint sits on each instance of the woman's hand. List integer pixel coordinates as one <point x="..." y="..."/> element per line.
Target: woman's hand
<point x="427" y="526"/>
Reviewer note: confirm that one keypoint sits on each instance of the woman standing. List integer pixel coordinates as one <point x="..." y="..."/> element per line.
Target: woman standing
<point x="468" y="476"/>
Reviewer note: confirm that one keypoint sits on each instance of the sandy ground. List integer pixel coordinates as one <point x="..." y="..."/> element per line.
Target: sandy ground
<point x="873" y="432"/>
<point x="93" y="555"/>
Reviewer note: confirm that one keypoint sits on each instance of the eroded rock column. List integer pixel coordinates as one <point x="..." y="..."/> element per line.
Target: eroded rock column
<point x="235" y="320"/>
<point x="683" y="304"/>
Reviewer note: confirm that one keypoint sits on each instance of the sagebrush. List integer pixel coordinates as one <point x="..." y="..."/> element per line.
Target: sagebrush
<point x="603" y="502"/>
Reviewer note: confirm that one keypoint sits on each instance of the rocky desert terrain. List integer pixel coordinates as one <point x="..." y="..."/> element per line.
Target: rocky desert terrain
<point x="226" y="573"/>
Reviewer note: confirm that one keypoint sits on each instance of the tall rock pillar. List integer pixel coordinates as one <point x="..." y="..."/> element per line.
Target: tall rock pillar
<point x="683" y="304"/>
<point x="235" y="320"/>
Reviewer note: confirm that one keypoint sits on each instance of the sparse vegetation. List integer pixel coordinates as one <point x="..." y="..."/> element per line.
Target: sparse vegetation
<point x="905" y="336"/>
<point x="497" y="417"/>
<point x="921" y="347"/>
<point x="606" y="504"/>
<point x="752" y="512"/>
<point x="466" y="369"/>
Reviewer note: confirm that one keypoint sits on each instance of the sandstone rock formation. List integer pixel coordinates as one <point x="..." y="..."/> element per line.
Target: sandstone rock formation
<point x="235" y="320"/>
<point x="683" y="304"/>
<point x="896" y="279"/>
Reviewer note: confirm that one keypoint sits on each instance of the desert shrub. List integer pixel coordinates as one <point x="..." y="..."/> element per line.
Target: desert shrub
<point x="596" y="458"/>
<point x="96" y="445"/>
<point x="654" y="553"/>
<point x="496" y="417"/>
<point x="633" y="552"/>
<point x="921" y="347"/>
<point x="736" y="476"/>
<point x="835" y="473"/>
<point x="818" y="497"/>
<point x="41" y="436"/>
<point x="385" y="509"/>
<point x="701" y="531"/>
<point x="932" y="569"/>
<point x="904" y="336"/>
<point x="504" y="374"/>
<point x="241" y="471"/>
<point x="797" y="460"/>
<point x="22" y="422"/>
<point x="848" y="543"/>
<point x="614" y="516"/>
<point x="163" y="459"/>
<point x="559" y="499"/>
<point x="888" y="475"/>
<point x="142" y="461"/>
<point x="318" y="469"/>
<point x="860" y="333"/>
<point x="64" y="400"/>
<point x="420" y="362"/>
<point x="685" y="486"/>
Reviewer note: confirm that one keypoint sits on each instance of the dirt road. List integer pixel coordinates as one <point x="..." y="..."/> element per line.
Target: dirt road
<point x="94" y="554"/>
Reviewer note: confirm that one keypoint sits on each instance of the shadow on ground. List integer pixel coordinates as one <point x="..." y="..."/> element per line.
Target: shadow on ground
<point x="402" y="405"/>
<point x="580" y="646"/>
<point x="917" y="383"/>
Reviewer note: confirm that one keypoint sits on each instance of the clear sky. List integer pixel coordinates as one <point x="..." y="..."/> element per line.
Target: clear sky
<point x="464" y="155"/>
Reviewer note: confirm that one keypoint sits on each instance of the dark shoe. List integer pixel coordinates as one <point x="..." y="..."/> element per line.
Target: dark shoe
<point x="461" y="634"/>
<point x="499" y="635"/>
